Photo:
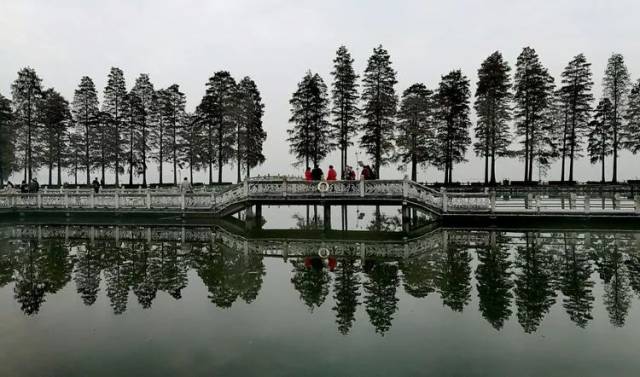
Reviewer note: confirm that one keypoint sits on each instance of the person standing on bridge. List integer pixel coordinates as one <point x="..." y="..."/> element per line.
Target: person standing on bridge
<point x="185" y="186"/>
<point x="307" y="174"/>
<point x="96" y="185"/>
<point x="316" y="173"/>
<point x="349" y="174"/>
<point x="332" y="175"/>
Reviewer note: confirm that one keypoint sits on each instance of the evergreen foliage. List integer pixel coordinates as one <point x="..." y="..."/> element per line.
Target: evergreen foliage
<point x="55" y="117"/>
<point x="533" y="86"/>
<point x="600" y="137"/>
<point x="85" y="114"/>
<point x="7" y="140"/>
<point x="415" y="141"/>
<point x="492" y="107"/>
<point x="26" y="98"/>
<point x="114" y="104"/>
<point x="452" y="128"/>
<point x="311" y="135"/>
<point x="575" y="97"/>
<point x="616" y="85"/>
<point x="250" y="134"/>
<point x="379" y="109"/>
<point x="344" y="95"/>
<point x="217" y="111"/>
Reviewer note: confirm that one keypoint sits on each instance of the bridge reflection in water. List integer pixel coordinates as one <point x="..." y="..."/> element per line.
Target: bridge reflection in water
<point x="514" y="274"/>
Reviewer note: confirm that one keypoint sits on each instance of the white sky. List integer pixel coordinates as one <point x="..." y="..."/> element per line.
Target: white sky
<point x="275" y="42"/>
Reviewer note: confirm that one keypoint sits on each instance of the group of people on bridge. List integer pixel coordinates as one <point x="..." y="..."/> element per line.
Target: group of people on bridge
<point x="349" y="174"/>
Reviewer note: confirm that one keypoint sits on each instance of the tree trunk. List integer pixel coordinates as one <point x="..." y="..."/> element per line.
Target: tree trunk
<point x="493" y="167"/>
<point x="414" y="168"/>
<point x="486" y="167"/>
<point x="526" y="153"/>
<point x="160" y="156"/>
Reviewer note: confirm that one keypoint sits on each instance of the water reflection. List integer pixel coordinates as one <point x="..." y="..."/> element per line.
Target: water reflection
<point x="525" y="273"/>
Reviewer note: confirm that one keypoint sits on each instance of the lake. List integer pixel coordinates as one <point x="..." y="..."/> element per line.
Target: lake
<point x="293" y="299"/>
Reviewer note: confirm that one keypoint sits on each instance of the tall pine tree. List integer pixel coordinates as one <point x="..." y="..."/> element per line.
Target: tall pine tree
<point x="27" y="96"/>
<point x="171" y="115"/>
<point x="452" y="130"/>
<point x="114" y="104"/>
<point x="217" y="111"/>
<point x="600" y="137"/>
<point x="492" y="107"/>
<point x="631" y="132"/>
<point x="55" y="118"/>
<point x="147" y="127"/>
<point x="616" y="85"/>
<point x="533" y="98"/>
<point x="575" y="97"/>
<point x="7" y="139"/>
<point x="85" y="114"/>
<point x="380" y="105"/>
<point x="415" y="141"/>
<point x="310" y="137"/>
<point x="250" y="135"/>
<point x="345" y="111"/>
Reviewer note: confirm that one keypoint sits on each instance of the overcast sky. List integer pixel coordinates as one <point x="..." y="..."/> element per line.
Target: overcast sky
<point x="275" y="42"/>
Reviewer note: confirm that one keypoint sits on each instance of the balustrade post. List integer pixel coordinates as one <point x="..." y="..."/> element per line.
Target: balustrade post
<point x="636" y="203"/>
<point x="92" y="200"/>
<point x="445" y="201"/>
<point x="148" y="199"/>
<point x="616" y="201"/>
<point x="66" y="200"/>
<point x="116" y="200"/>
<point x="587" y="203"/>
<point x="284" y="187"/>
<point x="572" y="201"/>
<point x="362" y="188"/>
<point x="537" y="202"/>
<point x="528" y="200"/>
<point x="405" y="186"/>
<point x="492" y="199"/>
<point x="182" y="202"/>
<point x="39" y="200"/>
<point x="246" y="188"/>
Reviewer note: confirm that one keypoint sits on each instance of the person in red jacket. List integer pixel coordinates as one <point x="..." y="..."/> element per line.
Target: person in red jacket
<point x="332" y="175"/>
<point x="307" y="174"/>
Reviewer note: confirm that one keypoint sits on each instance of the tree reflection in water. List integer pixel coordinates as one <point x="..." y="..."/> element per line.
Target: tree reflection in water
<point x="346" y="290"/>
<point x="493" y="276"/>
<point x="528" y="270"/>
<point x="534" y="281"/>
<point x="380" y="298"/>
<point x="311" y="280"/>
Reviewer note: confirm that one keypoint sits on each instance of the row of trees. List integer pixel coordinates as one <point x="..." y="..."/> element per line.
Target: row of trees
<point x="540" y="271"/>
<point x="425" y="127"/>
<point x="39" y="128"/>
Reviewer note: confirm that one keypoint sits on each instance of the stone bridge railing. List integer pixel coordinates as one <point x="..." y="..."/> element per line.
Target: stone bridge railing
<point x="251" y="190"/>
<point x="234" y="197"/>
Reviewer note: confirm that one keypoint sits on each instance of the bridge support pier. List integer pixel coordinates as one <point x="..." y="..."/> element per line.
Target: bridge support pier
<point x="406" y="218"/>
<point x="253" y="220"/>
<point x="327" y="217"/>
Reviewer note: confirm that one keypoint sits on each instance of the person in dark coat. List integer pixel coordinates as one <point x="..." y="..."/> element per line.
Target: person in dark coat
<point x="96" y="185"/>
<point x="316" y="173"/>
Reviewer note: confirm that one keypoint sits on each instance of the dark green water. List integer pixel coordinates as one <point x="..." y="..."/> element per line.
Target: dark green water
<point x="168" y="301"/>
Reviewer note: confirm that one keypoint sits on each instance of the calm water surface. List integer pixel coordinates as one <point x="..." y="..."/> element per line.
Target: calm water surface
<point x="195" y="301"/>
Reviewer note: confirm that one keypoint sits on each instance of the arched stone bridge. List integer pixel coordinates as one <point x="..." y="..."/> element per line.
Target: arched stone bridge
<point x="447" y="204"/>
